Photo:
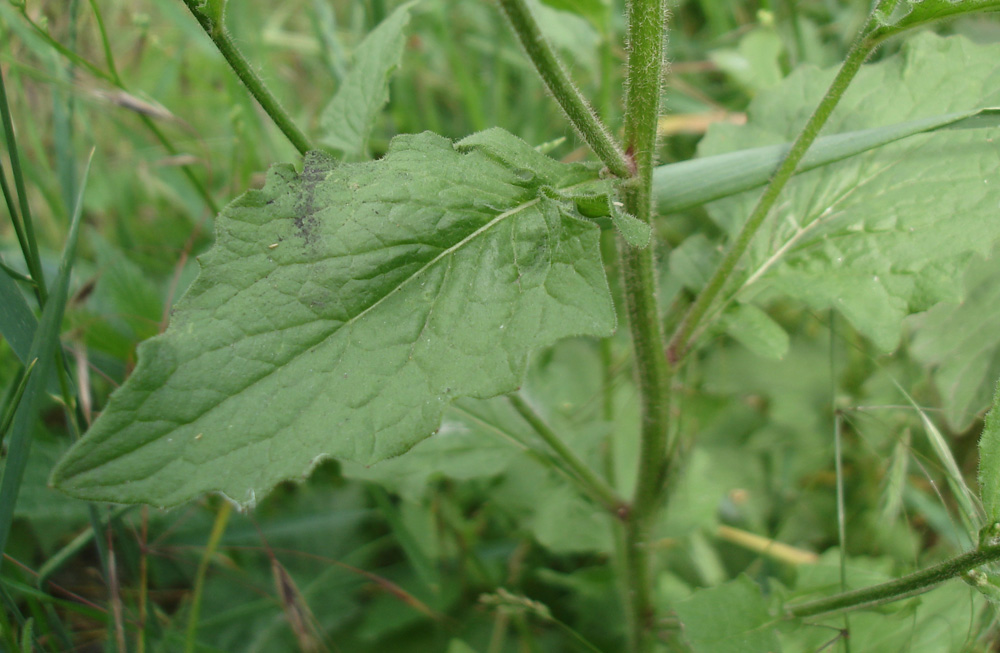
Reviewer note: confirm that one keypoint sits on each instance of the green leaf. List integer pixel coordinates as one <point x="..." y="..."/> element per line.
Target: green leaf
<point x="43" y="349"/>
<point x="889" y="232"/>
<point x="989" y="461"/>
<point x="755" y="63"/>
<point x="961" y="345"/>
<point x="693" y="261"/>
<point x="17" y="322"/>
<point x="595" y="11"/>
<point x="687" y="184"/>
<point x="755" y="330"/>
<point x="730" y="618"/>
<point x="567" y="523"/>
<point x="339" y="314"/>
<point x="347" y="120"/>
<point x="471" y="443"/>
<point x="913" y="13"/>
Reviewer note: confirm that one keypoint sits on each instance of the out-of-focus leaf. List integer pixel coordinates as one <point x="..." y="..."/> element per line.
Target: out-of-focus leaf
<point x="913" y="13"/>
<point x="889" y="232"/>
<point x="347" y="119"/>
<point x="754" y="329"/>
<point x="755" y="62"/>
<point x="596" y="11"/>
<point x="961" y="344"/>
<point x="729" y="618"/>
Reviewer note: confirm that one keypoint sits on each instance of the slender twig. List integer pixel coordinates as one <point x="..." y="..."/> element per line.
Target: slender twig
<point x="588" y="479"/>
<point x="210" y="16"/>
<point x="862" y="47"/>
<point x="557" y="80"/>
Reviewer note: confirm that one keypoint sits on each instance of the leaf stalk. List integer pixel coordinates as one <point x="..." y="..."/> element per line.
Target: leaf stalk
<point x="589" y="481"/>
<point x="210" y="15"/>
<point x="553" y="73"/>
<point x="901" y="588"/>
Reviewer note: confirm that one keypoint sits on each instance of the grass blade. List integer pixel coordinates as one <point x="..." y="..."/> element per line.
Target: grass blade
<point x="15" y="400"/>
<point x="17" y="322"/>
<point x="687" y="184"/>
<point x="43" y="348"/>
<point x="25" y="228"/>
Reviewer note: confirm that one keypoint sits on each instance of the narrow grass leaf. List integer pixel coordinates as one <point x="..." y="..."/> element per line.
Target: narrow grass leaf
<point x="423" y="565"/>
<point x="971" y="511"/>
<point x="43" y="347"/>
<point x="901" y="16"/>
<point x="218" y="530"/>
<point x="17" y="322"/>
<point x="348" y="118"/>
<point x="687" y="184"/>
<point x="11" y="407"/>
<point x="891" y="497"/>
<point x="339" y="314"/>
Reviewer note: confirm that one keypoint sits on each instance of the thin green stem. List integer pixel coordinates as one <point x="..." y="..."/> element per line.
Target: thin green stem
<point x="26" y="233"/>
<point x="646" y="21"/>
<point x="901" y="588"/>
<point x="588" y="479"/>
<point x="862" y="47"/>
<point x="210" y="16"/>
<point x="557" y="80"/>
<point x="109" y="57"/>
<point x="218" y="529"/>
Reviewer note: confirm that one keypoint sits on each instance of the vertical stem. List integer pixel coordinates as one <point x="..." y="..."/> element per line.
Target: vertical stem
<point x="642" y="101"/>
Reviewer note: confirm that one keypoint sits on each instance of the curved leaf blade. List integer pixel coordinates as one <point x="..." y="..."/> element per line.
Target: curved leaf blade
<point x="687" y="184"/>
<point x="339" y="313"/>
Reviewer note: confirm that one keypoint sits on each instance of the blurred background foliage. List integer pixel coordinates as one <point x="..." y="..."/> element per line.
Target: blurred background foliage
<point x="397" y="556"/>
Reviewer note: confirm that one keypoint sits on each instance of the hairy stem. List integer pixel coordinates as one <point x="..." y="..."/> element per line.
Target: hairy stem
<point x="210" y="16"/>
<point x="556" y="79"/>
<point x="900" y="588"/>
<point x="857" y="55"/>
<point x="586" y="477"/>
<point x="646" y="20"/>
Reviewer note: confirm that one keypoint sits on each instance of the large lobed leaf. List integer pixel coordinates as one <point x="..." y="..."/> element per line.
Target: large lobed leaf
<point x="339" y="313"/>
<point x="886" y="233"/>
